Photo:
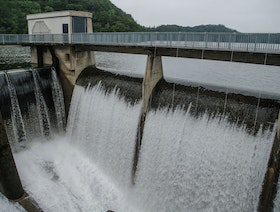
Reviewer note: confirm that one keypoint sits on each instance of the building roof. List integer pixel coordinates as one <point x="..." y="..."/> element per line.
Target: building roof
<point x="56" y="14"/>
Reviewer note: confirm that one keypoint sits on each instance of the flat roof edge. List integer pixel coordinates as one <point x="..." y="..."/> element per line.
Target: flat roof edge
<point x="55" y="14"/>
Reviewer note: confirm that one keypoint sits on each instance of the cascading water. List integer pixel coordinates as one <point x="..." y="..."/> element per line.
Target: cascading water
<point x="58" y="99"/>
<point x="104" y="126"/>
<point x="44" y="118"/>
<point x="187" y="162"/>
<point x="31" y="104"/>
<point x="199" y="164"/>
<point x="16" y="117"/>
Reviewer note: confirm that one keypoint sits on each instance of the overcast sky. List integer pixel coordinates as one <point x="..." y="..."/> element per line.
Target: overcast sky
<point x="242" y="15"/>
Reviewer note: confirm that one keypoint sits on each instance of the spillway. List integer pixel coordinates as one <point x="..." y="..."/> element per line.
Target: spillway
<point x="191" y="159"/>
<point x="31" y="104"/>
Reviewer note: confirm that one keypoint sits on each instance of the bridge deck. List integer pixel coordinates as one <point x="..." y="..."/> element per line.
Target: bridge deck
<point x="209" y="54"/>
<point x="236" y="47"/>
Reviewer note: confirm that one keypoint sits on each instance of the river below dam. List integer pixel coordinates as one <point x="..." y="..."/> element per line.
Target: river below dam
<point x="186" y="163"/>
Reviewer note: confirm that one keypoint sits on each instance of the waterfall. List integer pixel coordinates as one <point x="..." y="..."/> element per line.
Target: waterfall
<point x="16" y="116"/>
<point x="189" y="164"/>
<point x="104" y="126"/>
<point x="32" y="105"/>
<point x="58" y="99"/>
<point x="44" y="118"/>
<point x="186" y="163"/>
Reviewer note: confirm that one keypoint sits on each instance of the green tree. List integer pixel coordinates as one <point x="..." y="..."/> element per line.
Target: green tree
<point x="106" y="16"/>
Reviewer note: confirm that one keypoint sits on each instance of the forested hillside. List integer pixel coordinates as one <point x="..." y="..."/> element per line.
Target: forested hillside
<point x="106" y="16"/>
<point x="200" y="28"/>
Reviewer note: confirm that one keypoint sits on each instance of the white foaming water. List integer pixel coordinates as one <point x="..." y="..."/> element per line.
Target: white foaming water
<point x="58" y="98"/>
<point x="190" y="164"/>
<point x="62" y="178"/>
<point x="44" y="119"/>
<point x="186" y="164"/>
<point x="6" y="206"/>
<point x="276" y="202"/>
<point x="104" y="127"/>
<point x="16" y="116"/>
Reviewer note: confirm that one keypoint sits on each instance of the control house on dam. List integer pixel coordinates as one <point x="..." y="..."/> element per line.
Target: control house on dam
<point x="71" y="62"/>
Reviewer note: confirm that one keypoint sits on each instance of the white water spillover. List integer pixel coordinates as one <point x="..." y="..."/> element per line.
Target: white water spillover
<point x="44" y="119"/>
<point x="16" y="116"/>
<point x="57" y="94"/>
<point x="186" y="164"/>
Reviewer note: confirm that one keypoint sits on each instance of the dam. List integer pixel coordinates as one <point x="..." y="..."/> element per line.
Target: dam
<point x="189" y="160"/>
<point x="194" y="144"/>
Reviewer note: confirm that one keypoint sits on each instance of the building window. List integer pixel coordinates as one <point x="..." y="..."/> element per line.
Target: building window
<point x="65" y="28"/>
<point x="79" y="24"/>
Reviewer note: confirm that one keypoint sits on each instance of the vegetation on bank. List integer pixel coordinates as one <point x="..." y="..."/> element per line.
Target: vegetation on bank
<point x="106" y="16"/>
<point x="200" y="28"/>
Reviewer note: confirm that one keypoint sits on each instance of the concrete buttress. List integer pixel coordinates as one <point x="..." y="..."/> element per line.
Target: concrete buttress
<point x="10" y="184"/>
<point x="153" y="74"/>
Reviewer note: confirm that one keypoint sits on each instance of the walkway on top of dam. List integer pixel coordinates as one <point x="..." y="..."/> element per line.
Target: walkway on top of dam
<point x="257" y="48"/>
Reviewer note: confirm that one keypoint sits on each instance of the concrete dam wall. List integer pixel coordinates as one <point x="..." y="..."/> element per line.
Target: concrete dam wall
<point x="177" y="148"/>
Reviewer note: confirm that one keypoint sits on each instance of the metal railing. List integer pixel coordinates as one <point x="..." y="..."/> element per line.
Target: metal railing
<point x="253" y="42"/>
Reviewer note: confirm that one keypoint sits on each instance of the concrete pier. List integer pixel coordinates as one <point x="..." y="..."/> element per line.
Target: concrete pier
<point x="153" y="74"/>
<point x="270" y="181"/>
<point x="10" y="184"/>
<point x="71" y="64"/>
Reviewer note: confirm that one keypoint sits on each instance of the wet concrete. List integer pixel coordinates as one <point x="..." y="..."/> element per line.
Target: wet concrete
<point x="129" y="88"/>
<point x="239" y="109"/>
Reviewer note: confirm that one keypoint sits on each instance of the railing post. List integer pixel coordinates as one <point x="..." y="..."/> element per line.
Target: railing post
<point x="193" y="40"/>
<point x="255" y="46"/>
<point x="155" y="39"/>
<point x="219" y="38"/>
<point x="205" y="39"/>
<point x="178" y="40"/>
<point x="267" y="44"/>
<point x="229" y="44"/>
<point x="133" y="38"/>
<point x="247" y="42"/>
<point x="185" y="39"/>
<point x="234" y="41"/>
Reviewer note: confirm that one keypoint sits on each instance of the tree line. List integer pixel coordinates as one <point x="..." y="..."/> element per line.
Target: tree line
<point x="106" y="16"/>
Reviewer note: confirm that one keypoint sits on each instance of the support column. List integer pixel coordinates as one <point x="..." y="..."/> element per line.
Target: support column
<point x="40" y="57"/>
<point x="153" y="74"/>
<point x="10" y="184"/>
<point x="71" y="62"/>
<point x="270" y="181"/>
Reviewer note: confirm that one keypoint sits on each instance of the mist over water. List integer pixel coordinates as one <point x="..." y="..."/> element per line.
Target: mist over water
<point x="186" y="164"/>
<point x="7" y="206"/>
